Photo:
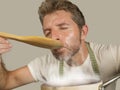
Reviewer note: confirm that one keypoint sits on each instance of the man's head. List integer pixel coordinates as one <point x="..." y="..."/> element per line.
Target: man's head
<point x="63" y="21"/>
<point x="50" y="6"/>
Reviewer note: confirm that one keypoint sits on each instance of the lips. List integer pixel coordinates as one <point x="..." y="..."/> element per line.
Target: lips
<point x="58" y="50"/>
<point x="61" y="50"/>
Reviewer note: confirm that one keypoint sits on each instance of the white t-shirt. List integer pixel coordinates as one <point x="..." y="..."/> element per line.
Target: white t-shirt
<point x="46" y="70"/>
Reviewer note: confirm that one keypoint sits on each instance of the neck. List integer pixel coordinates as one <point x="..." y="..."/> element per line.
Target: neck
<point x="80" y="56"/>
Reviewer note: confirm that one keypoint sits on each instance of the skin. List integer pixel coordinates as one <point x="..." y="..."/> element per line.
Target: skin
<point x="59" y="26"/>
<point x="12" y="79"/>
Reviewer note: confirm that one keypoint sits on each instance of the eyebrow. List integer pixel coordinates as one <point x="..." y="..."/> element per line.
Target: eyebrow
<point x="61" y="24"/>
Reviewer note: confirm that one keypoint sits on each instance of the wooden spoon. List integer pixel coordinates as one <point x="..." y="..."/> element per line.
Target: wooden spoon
<point x="34" y="40"/>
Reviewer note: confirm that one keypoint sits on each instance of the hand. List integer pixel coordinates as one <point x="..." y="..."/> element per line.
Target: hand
<point x="4" y="45"/>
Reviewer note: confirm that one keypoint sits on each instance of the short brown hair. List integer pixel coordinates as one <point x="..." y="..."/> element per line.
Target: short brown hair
<point x="50" y="6"/>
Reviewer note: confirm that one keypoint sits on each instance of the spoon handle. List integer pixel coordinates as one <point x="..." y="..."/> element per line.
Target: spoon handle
<point x="9" y="36"/>
<point x="34" y="40"/>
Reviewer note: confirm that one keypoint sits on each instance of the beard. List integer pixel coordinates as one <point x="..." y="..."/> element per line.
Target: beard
<point x="67" y="53"/>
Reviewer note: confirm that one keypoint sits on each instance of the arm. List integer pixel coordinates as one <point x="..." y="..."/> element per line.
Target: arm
<point x="16" y="78"/>
<point x="12" y="79"/>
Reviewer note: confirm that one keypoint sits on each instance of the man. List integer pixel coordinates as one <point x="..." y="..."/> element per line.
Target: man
<point x="72" y="65"/>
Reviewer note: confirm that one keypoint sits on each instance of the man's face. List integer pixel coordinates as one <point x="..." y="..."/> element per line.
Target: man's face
<point x="60" y="26"/>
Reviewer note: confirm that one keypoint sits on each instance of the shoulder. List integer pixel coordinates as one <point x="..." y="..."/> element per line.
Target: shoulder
<point x="97" y="47"/>
<point x="107" y="52"/>
<point x="40" y="66"/>
<point x="44" y="60"/>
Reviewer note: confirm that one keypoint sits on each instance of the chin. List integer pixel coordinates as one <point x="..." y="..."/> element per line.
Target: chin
<point x="64" y="53"/>
<point x="63" y="56"/>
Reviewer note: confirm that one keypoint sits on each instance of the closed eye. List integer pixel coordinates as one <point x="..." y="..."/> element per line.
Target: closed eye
<point x="63" y="28"/>
<point x="47" y="33"/>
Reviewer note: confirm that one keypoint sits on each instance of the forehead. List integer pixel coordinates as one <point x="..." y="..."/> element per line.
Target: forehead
<point x="57" y="17"/>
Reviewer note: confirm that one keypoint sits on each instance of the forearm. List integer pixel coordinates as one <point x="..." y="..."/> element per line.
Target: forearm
<point x="3" y="74"/>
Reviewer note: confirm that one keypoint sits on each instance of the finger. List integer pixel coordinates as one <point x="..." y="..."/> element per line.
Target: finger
<point x="5" y="46"/>
<point x="4" y="51"/>
<point x="3" y="40"/>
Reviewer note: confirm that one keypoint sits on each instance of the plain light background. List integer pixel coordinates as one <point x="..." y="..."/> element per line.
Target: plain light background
<point x="20" y="17"/>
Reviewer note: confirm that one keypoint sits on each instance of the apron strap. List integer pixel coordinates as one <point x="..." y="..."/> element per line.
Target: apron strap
<point x="93" y="59"/>
<point x="61" y="67"/>
<point x="96" y="69"/>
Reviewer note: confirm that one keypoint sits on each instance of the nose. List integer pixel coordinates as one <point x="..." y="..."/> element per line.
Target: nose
<point x="55" y="35"/>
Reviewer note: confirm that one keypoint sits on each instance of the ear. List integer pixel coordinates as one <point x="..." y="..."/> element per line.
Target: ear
<point x="84" y="32"/>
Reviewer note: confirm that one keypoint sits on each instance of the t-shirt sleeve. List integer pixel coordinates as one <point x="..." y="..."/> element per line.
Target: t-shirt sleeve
<point x="34" y="69"/>
<point x="38" y="69"/>
<point x="108" y="56"/>
<point x="115" y="49"/>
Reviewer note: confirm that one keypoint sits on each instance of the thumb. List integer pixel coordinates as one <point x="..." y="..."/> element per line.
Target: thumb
<point x="0" y="58"/>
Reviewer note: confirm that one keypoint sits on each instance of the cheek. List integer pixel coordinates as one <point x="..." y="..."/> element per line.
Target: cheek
<point x="72" y="41"/>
